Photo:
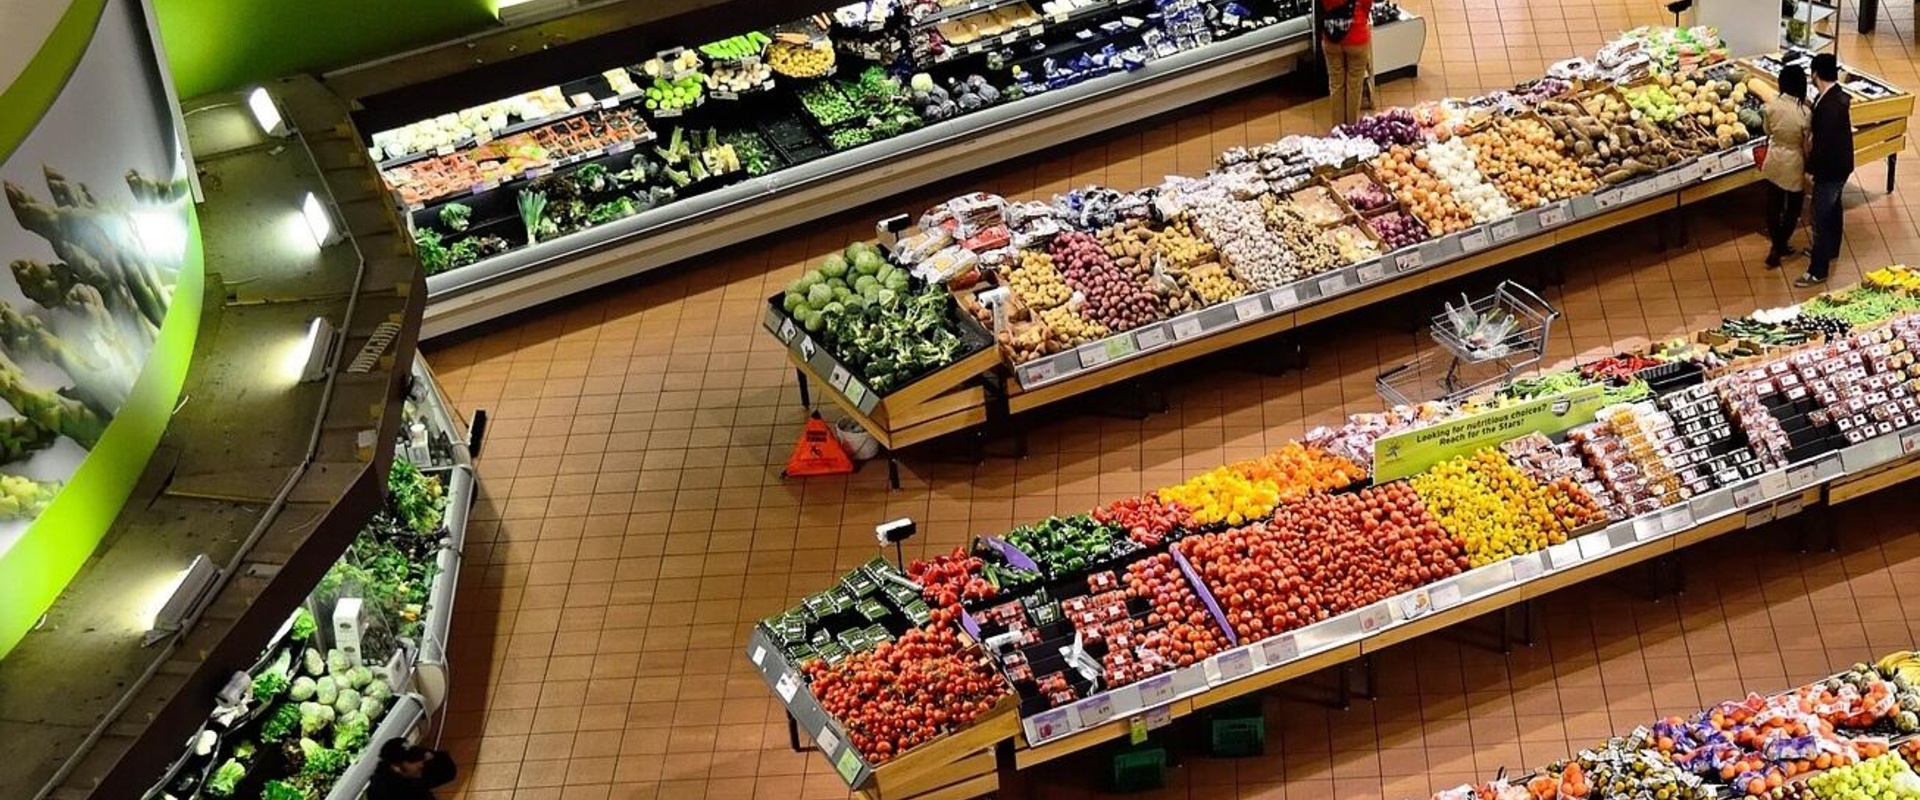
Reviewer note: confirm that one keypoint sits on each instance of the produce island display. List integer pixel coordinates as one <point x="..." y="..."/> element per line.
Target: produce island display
<point x="1101" y="286"/>
<point x="831" y="104"/>
<point x="362" y="660"/>
<point x="1058" y="635"/>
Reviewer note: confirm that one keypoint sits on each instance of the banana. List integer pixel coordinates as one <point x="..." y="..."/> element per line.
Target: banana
<point x="1891" y="661"/>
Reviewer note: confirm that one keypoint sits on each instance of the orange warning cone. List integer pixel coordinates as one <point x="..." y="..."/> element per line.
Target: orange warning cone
<point x="818" y="452"/>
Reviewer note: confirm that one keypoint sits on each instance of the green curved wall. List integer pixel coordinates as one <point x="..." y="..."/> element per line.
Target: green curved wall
<point x="221" y="45"/>
<point x="54" y="547"/>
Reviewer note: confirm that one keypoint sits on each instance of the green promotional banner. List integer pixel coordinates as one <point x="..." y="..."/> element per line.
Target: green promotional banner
<point x="1404" y="455"/>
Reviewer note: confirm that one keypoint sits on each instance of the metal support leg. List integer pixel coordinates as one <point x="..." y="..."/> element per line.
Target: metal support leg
<point x="806" y="391"/>
<point x="1506" y="632"/>
<point x="1372" y="677"/>
<point x="1526" y="622"/>
<point x="793" y="735"/>
<point x="893" y="471"/>
<point x="1893" y="163"/>
<point x="1346" y="687"/>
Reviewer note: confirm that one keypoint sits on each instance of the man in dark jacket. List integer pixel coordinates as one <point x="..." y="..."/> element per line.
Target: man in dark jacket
<point x="1830" y="162"/>
<point x="407" y="772"/>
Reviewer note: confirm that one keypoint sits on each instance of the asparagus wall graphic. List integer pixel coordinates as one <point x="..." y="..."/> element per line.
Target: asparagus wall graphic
<point x="69" y="355"/>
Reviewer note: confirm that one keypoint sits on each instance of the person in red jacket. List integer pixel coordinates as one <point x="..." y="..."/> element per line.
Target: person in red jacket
<point x="1346" y="36"/>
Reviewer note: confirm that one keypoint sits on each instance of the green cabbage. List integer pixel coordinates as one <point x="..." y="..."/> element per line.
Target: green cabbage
<point x="226" y="779"/>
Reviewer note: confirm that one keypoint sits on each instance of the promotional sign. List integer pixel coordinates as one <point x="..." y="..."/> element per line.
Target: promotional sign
<point x="98" y="241"/>
<point x="1404" y="455"/>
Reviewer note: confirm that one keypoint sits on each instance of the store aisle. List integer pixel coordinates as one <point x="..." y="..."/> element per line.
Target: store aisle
<point x="633" y="525"/>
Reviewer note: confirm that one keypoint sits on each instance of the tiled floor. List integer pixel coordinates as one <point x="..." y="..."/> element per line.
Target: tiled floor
<point x="633" y="524"/>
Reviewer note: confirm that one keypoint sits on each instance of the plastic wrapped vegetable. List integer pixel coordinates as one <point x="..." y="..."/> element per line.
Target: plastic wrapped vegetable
<point x="347" y="702"/>
<point x="359" y="677"/>
<point x="326" y="690"/>
<point x="302" y="689"/>
<point x="314" y="717"/>
<point x="378" y="689"/>
<point x="315" y="665"/>
<point x="351" y="732"/>
<point x="336" y="661"/>
<point x="372" y="707"/>
<point x="225" y="779"/>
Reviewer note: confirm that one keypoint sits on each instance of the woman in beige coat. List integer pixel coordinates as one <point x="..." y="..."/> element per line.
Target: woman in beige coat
<point x="1787" y="120"/>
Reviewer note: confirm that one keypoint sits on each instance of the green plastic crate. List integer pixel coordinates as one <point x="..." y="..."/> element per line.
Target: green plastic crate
<point x="1237" y="731"/>
<point x="1138" y="769"/>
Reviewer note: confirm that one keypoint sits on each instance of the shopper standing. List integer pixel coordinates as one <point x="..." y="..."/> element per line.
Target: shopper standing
<point x="409" y="772"/>
<point x="1830" y="162"/>
<point x="1346" y="36"/>
<point x="1786" y="118"/>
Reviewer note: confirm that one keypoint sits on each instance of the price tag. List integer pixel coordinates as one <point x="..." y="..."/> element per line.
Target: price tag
<point x="1280" y="649"/>
<point x="1525" y="568"/>
<point x="1505" y="230"/>
<point x="1118" y="346"/>
<point x="759" y="656"/>
<point x="1594" y="545"/>
<point x="1058" y="18"/>
<point x="1552" y="215"/>
<point x="443" y="150"/>
<point x="535" y="172"/>
<point x="1802" y="477"/>
<point x="1408" y="261"/>
<point x="1447" y="595"/>
<point x="1050" y="725"/>
<point x="1747" y="494"/>
<point x="1159" y="717"/>
<point x="1156" y="690"/>
<point x="787" y="686"/>
<point x="1415" y="603"/>
<point x="1229" y="666"/>
<point x="856" y="392"/>
<point x="610" y="103"/>
<point x="620" y="146"/>
<point x="1560" y="556"/>
<point x="668" y="113"/>
<point x="1789" y="507"/>
<point x="848" y="765"/>
<point x="788" y="330"/>
<point x="807" y="348"/>
<point x="827" y="741"/>
<point x="1909" y="442"/>
<point x="1230" y="20"/>
<point x="1043" y="371"/>
<point x="1095" y="710"/>
<point x="1284" y="297"/>
<point x="1607" y="199"/>
<point x="1371" y="271"/>
<point x="1333" y="284"/>
<point x="483" y="137"/>
<point x="1759" y="516"/>
<point x="1136" y="730"/>
<point x="1648" y="527"/>
<point x="1186" y="328"/>
<point x="838" y="377"/>
<point x="719" y="95"/>
<point x="1474" y="240"/>
<point x="1678" y="519"/>
<point x="1091" y="357"/>
<point x="1376" y="617"/>
<point x="1149" y="338"/>
<point x="1009" y="38"/>
<point x="1774" y="484"/>
<point x="1248" y="309"/>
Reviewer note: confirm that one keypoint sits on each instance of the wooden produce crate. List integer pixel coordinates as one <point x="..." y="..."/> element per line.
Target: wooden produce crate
<point x="955" y="767"/>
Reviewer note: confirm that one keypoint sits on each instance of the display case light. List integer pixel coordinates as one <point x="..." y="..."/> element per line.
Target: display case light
<point x="266" y="113"/>
<point x="319" y="222"/>
<point x="190" y="591"/>
<point x="317" y="350"/>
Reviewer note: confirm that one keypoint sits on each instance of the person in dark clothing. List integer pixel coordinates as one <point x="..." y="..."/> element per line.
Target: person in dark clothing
<point x="407" y="772"/>
<point x="1830" y="162"/>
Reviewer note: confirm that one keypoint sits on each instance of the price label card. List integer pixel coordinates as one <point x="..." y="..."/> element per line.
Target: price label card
<point x="1774" y="484"/>
<point x="1594" y="545"/>
<point x="1408" y="261"/>
<point x="1415" y="603"/>
<point x="1677" y="519"/>
<point x="808" y="348"/>
<point x="787" y="686"/>
<point x="610" y="103"/>
<point x="1231" y="665"/>
<point x="1789" y="507"/>
<point x="1562" y="555"/>
<point x="1505" y="231"/>
<point x="1333" y="284"/>
<point x="668" y="113"/>
<point x="620" y="147"/>
<point x="1447" y="595"/>
<point x="1759" y="516"/>
<point x="1648" y="527"/>
<point x="838" y="377"/>
<point x="759" y="656"/>
<point x="1607" y="199"/>
<point x="1043" y="371"/>
<point x="827" y="740"/>
<point x="1092" y="356"/>
<point x="1156" y="690"/>
<point x="1009" y="38"/>
<point x="1909" y="442"/>
<point x="1280" y="649"/>
<point x="443" y="150"/>
<point x="1474" y="240"/>
<point x="1552" y="215"/>
<point x="1095" y="711"/>
<point x="718" y="95"/>
<point x="1747" y="494"/>
<point x="856" y="392"/>
<point x="1159" y="717"/>
<point x="1050" y="725"/>
<point x="788" y="330"/>
<point x="1525" y="568"/>
<point x="1376" y="617"/>
<point x="1186" y="327"/>
<point x="1248" y="309"/>
<point x="1284" y="297"/>
<point x="1118" y="347"/>
<point x="1371" y="271"/>
<point x="1059" y="17"/>
<point x="1136" y="730"/>
<point x="1149" y="338"/>
<point x="848" y="765"/>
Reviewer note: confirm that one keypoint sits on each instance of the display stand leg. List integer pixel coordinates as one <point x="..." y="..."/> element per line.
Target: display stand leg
<point x="806" y="390"/>
<point x="1681" y="221"/>
<point x="793" y="735"/>
<point x="1525" y="609"/>
<point x="893" y="472"/>
<point x="1371" y="673"/>
<point x="1893" y="164"/>
<point x="1869" y="14"/>
<point x="1344" y="692"/>
<point x="1506" y="632"/>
